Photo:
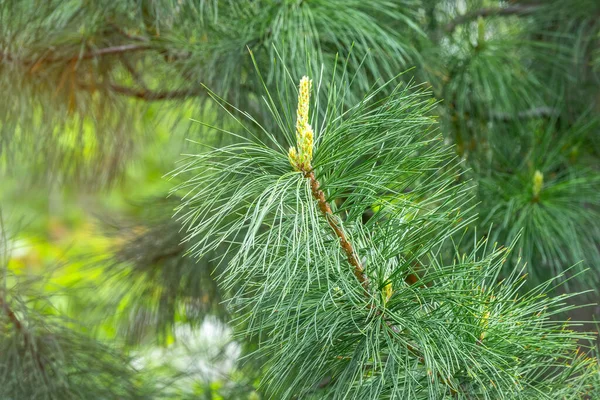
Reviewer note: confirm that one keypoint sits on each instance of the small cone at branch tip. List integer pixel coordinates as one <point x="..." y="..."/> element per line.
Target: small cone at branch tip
<point x="387" y="292"/>
<point x="538" y="183"/>
<point x="303" y="105"/>
<point x="301" y="157"/>
<point x="480" y="31"/>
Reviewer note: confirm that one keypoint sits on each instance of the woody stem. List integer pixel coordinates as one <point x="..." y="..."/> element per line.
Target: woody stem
<point x="11" y="315"/>
<point x="352" y="257"/>
<point x="26" y="336"/>
<point x="334" y="223"/>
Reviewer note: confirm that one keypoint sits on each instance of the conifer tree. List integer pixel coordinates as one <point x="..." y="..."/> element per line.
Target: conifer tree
<point x="348" y="309"/>
<point x="358" y="216"/>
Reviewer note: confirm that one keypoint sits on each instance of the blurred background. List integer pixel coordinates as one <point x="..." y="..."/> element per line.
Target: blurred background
<point x="100" y="99"/>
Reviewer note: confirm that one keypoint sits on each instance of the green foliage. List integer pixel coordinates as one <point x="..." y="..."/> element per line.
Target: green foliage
<point x="457" y="331"/>
<point x="492" y="66"/>
<point x="100" y="93"/>
<point x="84" y="59"/>
<point x="44" y="355"/>
<point x="153" y="283"/>
<point x="558" y="224"/>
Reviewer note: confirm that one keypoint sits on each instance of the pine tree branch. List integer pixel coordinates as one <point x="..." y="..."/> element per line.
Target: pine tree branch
<point x="11" y="315"/>
<point x="516" y="9"/>
<point x="151" y="95"/>
<point x="145" y="94"/>
<point x="26" y="336"/>
<point x="532" y="113"/>
<point x="325" y="208"/>
<point x="353" y="260"/>
<point x="351" y="255"/>
<point x="127" y="48"/>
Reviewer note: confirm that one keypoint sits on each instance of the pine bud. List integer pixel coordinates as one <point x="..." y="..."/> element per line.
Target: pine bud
<point x="480" y="32"/>
<point x="387" y="292"/>
<point x="301" y="157"/>
<point x="303" y="104"/>
<point x="538" y="183"/>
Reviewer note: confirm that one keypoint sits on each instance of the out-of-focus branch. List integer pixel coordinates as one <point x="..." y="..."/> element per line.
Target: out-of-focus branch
<point x="126" y="48"/>
<point x="154" y="95"/>
<point x="11" y="315"/>
<point x="139" y="93"/>
<point x="537" y="112"/>
<point x="516" y="9"/>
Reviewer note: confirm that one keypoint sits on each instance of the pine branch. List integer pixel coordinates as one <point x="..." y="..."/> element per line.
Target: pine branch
<point x="122" y="49"/>
<point x="126" y="48"/>
<point x="536" y="112"/>
<point x="305" y="308"/>
<point x="144" y="94"/>
<point x="325" y="208"/>
<point x="516" y="9"/>
<point x="153" y="95"/>
<point x="11" y="315"/>
<point x="26" y="336"/>
<point x="353" y="260"/>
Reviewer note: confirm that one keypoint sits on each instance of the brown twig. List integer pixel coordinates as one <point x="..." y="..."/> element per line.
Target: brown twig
<point x="151" y="95"/>
<point x="26" y="335"/>
<point x="352" y="257"/>
<point x="126" y="48"/>
<point x="353" y="260"/>
<point x="143" y="94"/>
<point x="11" y="315"/>
<point x="358" y="269"/>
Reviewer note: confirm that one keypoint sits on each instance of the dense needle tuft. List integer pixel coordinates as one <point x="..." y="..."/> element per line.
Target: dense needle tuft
<point x="345" y="272"/>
